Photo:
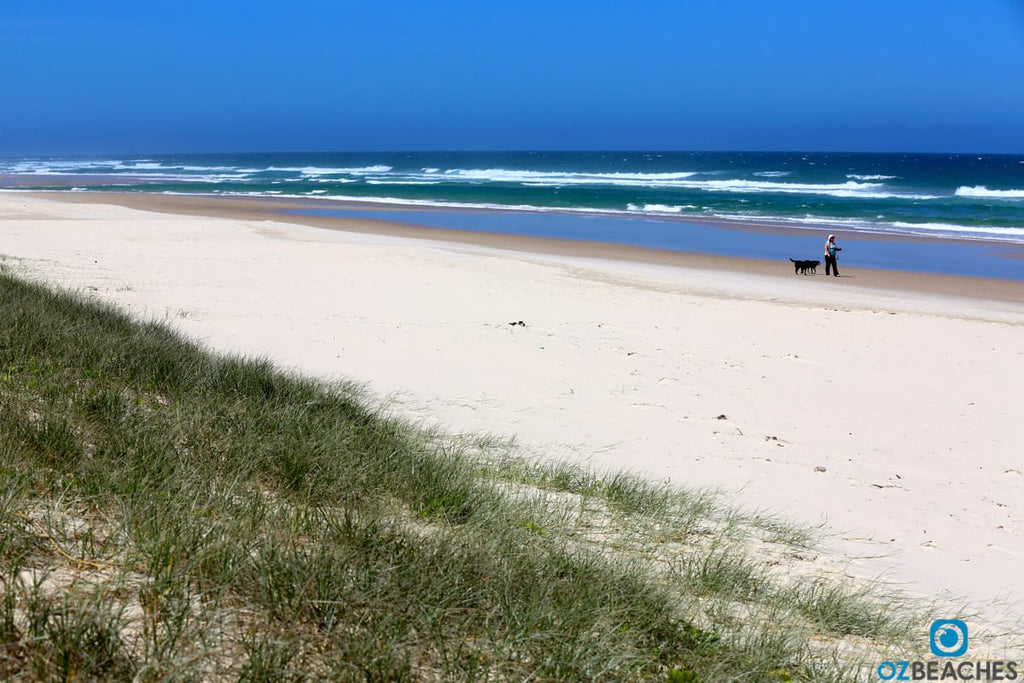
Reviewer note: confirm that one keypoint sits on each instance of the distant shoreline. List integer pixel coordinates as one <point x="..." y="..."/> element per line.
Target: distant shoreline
<point x="287" y="209"/>
<point x="87" y="183"/>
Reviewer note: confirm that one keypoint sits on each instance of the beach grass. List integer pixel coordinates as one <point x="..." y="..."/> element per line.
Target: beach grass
<point x="168" y="513"/>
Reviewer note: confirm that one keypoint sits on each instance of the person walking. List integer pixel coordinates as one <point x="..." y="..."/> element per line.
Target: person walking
<point x="830" y="256"/>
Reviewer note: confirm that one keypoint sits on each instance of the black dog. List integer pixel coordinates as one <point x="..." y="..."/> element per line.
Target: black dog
<point x="803" y="267"/>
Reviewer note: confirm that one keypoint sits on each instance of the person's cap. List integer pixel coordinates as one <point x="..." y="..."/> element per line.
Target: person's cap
<point x="831" y="237"/>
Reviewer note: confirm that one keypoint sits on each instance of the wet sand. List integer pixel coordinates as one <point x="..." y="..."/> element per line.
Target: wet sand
<point x="253" y="208"/>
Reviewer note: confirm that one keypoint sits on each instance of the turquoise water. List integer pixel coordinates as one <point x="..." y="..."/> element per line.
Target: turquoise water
<point x="640" y="198"/>
<point x="966" y="196"/>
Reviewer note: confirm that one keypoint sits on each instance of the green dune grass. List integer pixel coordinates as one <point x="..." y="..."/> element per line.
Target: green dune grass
<point x="170" y="514"/>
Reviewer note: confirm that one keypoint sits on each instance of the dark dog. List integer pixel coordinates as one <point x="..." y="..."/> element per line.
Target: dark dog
<point x="804" y="267"/>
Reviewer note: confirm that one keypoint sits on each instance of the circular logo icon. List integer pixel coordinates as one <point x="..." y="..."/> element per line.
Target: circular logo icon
<point x="949" y="638"/>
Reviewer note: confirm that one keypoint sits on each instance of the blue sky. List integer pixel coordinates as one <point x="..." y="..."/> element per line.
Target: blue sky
<point x="225" y="75"/>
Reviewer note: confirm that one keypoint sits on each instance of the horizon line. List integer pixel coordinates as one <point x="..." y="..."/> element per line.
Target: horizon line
<point x="503" y="151"/>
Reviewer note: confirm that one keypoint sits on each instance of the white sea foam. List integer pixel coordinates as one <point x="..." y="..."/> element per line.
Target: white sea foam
<point x="660" y="208"/>
<point x="786" y="188"/>
<point x="554" y="178"/>
<point x="812" y="219"/>
<point x="133" y="168"/>
<point x="856" y="176"/>
<point x="884" y="195"/>
<point x="190" y="178"/>
<point x="980" y="191"/>
<point x="980" y="230"/>
<point x="379" y="168"/>
<point x="684" y="180"/>
<point x="442" y="204"/>
<point x="1006" y="234"/>
<point x="848" y="189"/>
<point x="313" y="171"/>
<point x="141" y="166"/>
<point x="435" y="203"/>
<point x="57" y="167"/>
<point x="679" y="180"/>
<point x="666" y="212"/>
<point x="403" y="182"/>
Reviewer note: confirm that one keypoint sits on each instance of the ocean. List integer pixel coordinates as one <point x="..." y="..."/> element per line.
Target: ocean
<point x="963" y="198"/>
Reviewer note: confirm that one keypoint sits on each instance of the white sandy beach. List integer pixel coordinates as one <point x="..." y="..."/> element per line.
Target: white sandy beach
<point x="890" y="416"/>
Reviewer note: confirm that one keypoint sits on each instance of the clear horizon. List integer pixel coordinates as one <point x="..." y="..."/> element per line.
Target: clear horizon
<point x="231" y="77"/>
<point x="237" y="152"/>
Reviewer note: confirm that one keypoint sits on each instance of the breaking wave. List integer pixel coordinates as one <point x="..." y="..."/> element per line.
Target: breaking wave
<point x="980" y="191"/>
